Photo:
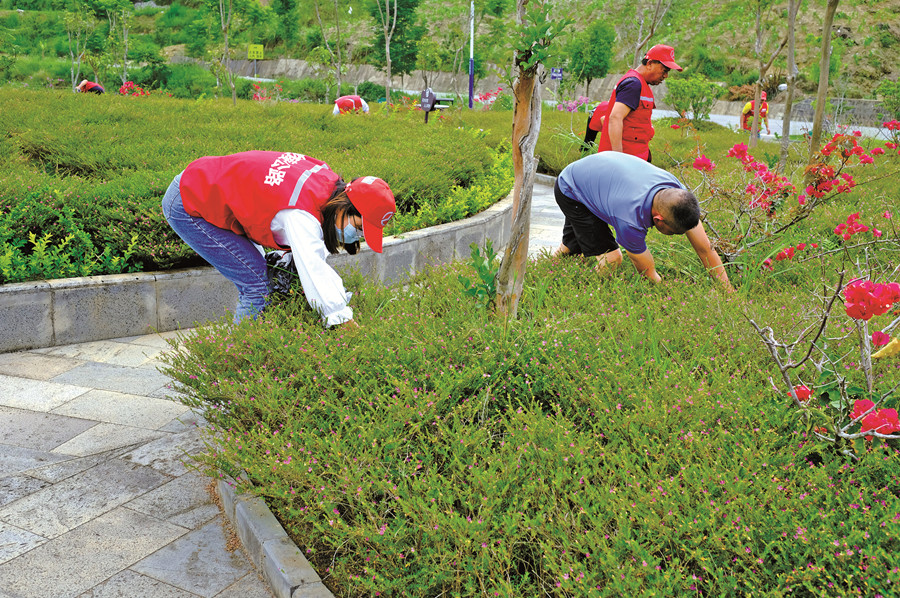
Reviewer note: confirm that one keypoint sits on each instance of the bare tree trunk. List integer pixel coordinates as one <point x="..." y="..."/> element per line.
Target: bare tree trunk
<point x="660" y="9"/>
<point x="526" y="126"/>
<point x="824" y="66"/>
<point x="793" y="8"/>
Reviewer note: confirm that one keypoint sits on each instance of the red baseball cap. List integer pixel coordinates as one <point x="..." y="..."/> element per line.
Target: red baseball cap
<point x="664" y="54"/>
<point x="762" y="95"/>
<point x="375" y="202"/>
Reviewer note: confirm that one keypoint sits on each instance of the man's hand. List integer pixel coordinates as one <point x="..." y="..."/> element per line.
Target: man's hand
<point x="643" y="263"/>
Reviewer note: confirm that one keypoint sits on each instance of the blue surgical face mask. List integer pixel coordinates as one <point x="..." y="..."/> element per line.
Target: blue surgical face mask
<point x="349" y="235"/>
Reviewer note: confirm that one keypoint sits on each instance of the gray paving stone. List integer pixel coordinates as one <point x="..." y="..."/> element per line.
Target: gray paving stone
<point x="36" y="395"/>
<point x="170" y="454"/>
<point x="189" y="420"/>
<point x="184" y="501"/>
<point x="107" y="351"/>
<point x="249" y="586"/>
<point x="38" y="430"/>
<point x="15" y="541"/>
<point x="85" y="557"/>
<point x="28" y="364"/>
<point x="55" y="510"/>
<point x="129" y="584"/>
<point x="138" y="381"/>
<point x="14" y="459"/>
<point x="122" y="408"/>
<point x="105" y="437"/>
<point x="69" y="466"/>
<point x="14" y="487"/>
<point x="197" y="562"/>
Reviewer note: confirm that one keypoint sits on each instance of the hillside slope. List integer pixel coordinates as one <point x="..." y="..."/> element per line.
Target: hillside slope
<point x="718" y="38"/>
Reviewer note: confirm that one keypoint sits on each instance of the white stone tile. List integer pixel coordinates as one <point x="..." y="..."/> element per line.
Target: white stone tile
<point x="106" y="437"/>
<point x="56" y="509"/>
<point x="36" y="395"/>
<point x="15" y="541"/>
<point x="121" y="408"/>
<point x="68" y="566"/>
<point x="108" y="351"/>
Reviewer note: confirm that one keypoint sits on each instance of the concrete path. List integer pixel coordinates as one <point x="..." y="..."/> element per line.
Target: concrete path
<point x="97" y="498"/>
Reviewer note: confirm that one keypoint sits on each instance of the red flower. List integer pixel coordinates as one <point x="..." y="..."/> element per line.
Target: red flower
<point x="803" y="393"/>
<point x="861" y="406"/>
<point x="877" y="151"/>
<point x="865" y="159"/>
<point x="883" y="421"/>
<point x="704" y="164"/>
<point x="880" y="339"/>
<point x="675" y="126"/>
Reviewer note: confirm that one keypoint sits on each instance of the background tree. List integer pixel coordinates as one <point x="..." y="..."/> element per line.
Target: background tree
<point x="397" y="29"/>
<point x="793" y="9"/>
<point x="535" y="32"/>
<point x="80" y="24"/>
<point x="764" y="28"/>
<point x="119" y="16"/>
<point x="824" y="68"/>
<point x="335" y="50"/>
<point x="590" y="53"/>
<point x="637" y="23"/>
<point x="394" y="49"/>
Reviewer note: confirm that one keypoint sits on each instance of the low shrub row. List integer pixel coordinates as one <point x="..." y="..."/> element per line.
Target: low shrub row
<point x="97" y="166"/>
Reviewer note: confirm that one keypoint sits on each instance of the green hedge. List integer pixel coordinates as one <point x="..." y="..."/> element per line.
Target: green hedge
<point x="108" y="160"/>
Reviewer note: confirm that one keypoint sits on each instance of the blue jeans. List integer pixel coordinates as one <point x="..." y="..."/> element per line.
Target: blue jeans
<point x="233" y="255"/>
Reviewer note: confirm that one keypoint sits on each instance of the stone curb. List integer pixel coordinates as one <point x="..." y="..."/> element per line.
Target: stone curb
<point x="47" y="313"/>
<point x="272" y="551"/>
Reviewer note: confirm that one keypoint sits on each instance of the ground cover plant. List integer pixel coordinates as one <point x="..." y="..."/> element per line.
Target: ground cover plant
<point x="94" y="169"/>
<point x="618" y="438"/>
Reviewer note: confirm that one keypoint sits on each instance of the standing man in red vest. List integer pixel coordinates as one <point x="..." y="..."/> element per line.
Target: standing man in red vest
<point x="749" y="113"/>
<point x="628" y="128"/>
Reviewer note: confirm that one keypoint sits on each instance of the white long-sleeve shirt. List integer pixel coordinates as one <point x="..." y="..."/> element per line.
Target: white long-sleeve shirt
<point x="323" y="286"/>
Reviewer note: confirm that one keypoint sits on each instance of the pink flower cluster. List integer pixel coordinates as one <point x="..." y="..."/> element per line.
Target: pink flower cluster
<point x="704" y="164"/>
<point x="788" y="253"/>
<point x="864" y="299"/>
<point x="847" y="229"/>
<point x="893" y="125"/>
<point x="880" y="339"/>
<point x="573" y="105"/>
<point x="769" y="187"/>
<point x="130" y="89"/>
<point x="488" y="97"/>
<point x="882" y="421"/>
<point x="828" y="182"/>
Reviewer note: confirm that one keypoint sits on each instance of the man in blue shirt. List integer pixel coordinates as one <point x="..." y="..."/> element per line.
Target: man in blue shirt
<point x="630" y="195"/>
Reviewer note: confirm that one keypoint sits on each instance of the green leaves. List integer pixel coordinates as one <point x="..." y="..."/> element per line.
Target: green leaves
<point x="484" y="288"/>
<point x="695" y="95"/>
<point x="535" y="36"/>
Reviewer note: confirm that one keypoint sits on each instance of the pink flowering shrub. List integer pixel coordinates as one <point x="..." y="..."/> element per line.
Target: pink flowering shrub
<point x="130" y="89"/>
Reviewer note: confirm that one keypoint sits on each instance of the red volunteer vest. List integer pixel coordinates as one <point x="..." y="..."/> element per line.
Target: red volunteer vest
<point x="762" y="111"/>
<point x="637" y="128"/>
<point x="90" y="86"/>
<point x="348" y="103"/>
<point x="243" y="192"/>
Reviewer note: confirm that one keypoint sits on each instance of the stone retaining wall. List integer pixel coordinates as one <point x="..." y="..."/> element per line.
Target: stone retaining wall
<point x="47" y="313"/>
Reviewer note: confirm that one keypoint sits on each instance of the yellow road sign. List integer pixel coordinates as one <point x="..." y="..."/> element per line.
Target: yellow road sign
<point x="254" y="51"/>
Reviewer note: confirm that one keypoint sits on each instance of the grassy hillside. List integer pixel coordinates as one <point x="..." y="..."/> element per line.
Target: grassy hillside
<point x="711" y="37"/>
<point x="718" y="39"/>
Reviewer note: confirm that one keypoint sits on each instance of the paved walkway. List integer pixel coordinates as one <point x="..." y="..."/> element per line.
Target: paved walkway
<point x="96" y="499"/>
